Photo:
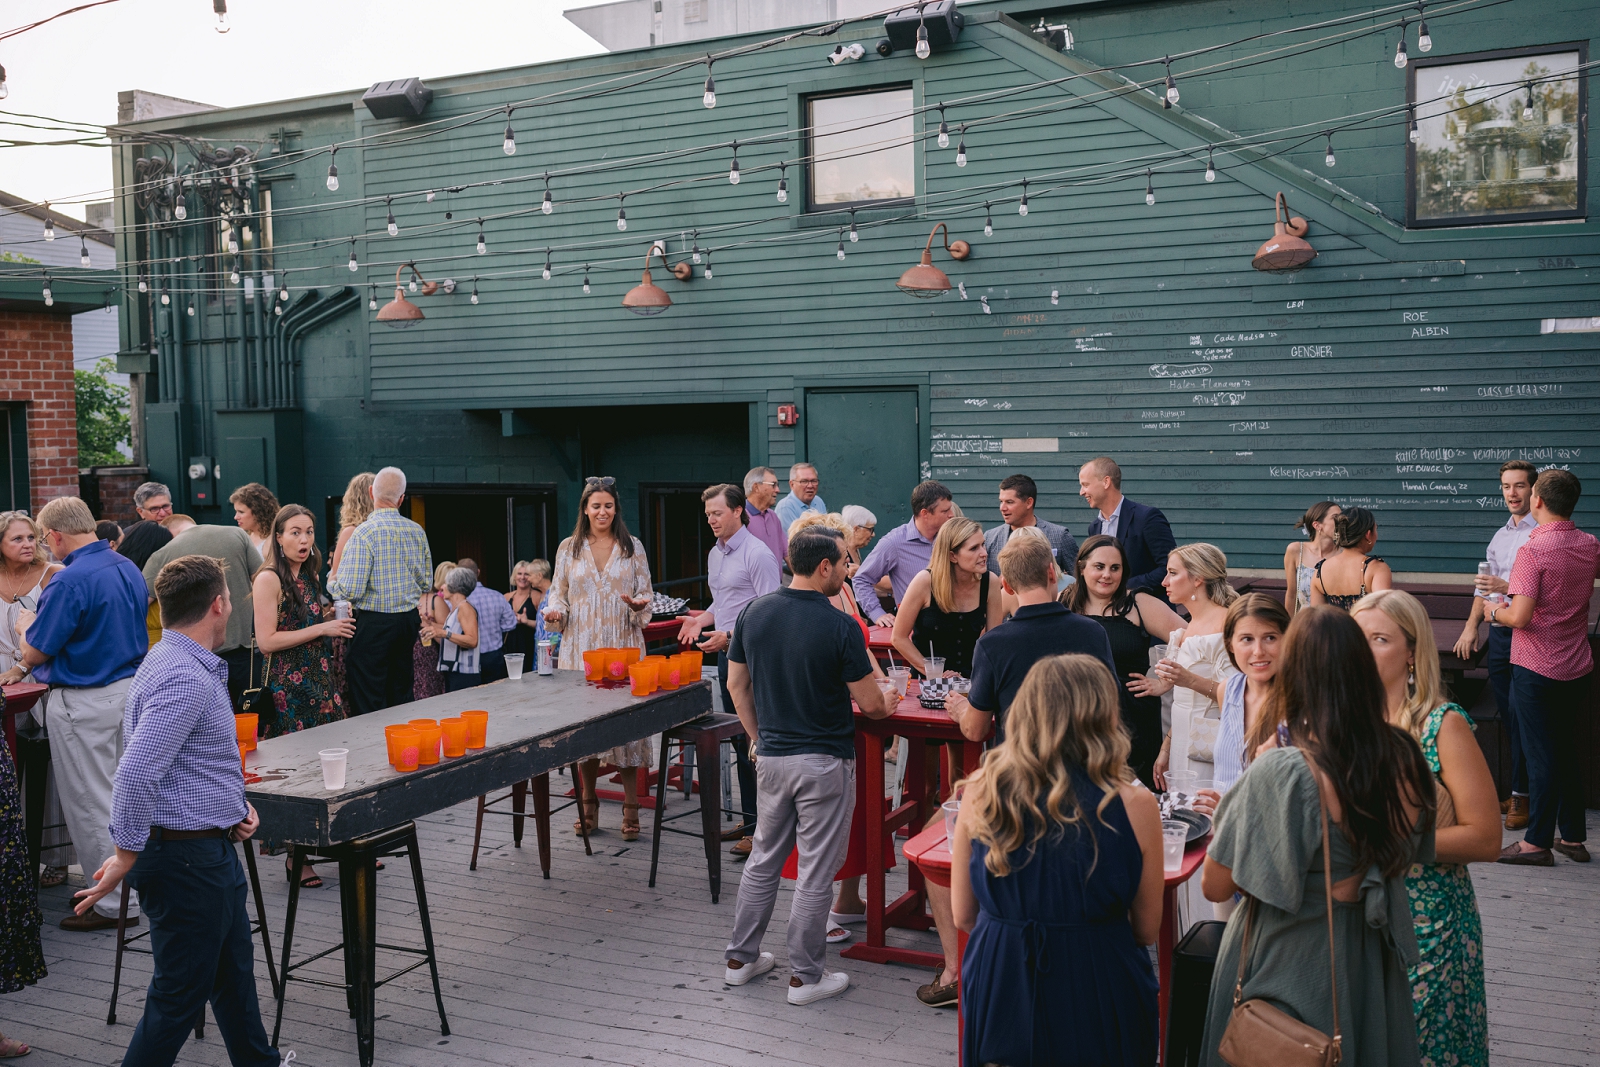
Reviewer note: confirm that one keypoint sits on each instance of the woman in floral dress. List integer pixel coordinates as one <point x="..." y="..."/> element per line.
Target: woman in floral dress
<point x="21" y="955"/>
<point x="1447" y="989"/>
<point x="432" y="610"/>
<point x="601" y="599"/>
<point x="292" y="632"/>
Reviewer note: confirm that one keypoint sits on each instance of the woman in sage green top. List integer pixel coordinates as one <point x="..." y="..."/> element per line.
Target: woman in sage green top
<point x="1268" y="844"/>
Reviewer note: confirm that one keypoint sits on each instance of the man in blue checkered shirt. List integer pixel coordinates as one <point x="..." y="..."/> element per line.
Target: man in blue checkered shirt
<point x="177" y="806"/>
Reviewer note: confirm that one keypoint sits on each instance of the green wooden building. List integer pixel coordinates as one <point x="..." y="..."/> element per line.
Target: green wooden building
<point x="1446" y="324"/>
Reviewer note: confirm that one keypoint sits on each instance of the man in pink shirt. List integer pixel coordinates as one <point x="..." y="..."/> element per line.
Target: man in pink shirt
<point x="1551" y="583"/>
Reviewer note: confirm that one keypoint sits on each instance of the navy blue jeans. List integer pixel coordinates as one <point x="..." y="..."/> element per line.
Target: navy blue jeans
<point x="1548" y="714"/>
<point x="1498" y="662"/>
<point x="193" y="896"/>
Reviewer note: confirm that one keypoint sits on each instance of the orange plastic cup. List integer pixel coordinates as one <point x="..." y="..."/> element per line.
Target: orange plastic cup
<point x="389" y="733"/>
<point x="616" y="664"/>
<point x="594" y="664"/>
<point x="242" y="752"/>
<point x="407" y="748"/>
<point x="643" y="676"/>
<point x="244" y="728"/>
<point x="631" y="655"/>
<point x="477" y="728"/>
<point x="455" y="736"/>
<point x="693" y="661"/>
<point x="668" y="672"/>
<point x="428" y="750"/>
<point x="662" y="663"/>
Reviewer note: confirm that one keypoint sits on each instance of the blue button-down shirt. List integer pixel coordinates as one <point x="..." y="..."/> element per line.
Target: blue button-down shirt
<point x="900" y="554"/>
<point x="790" y="508"/>
<point x="495" y="618"/>
<point x="739" y="570"/>
<point x="91" y="620"/>
<point x="180" y="767"/>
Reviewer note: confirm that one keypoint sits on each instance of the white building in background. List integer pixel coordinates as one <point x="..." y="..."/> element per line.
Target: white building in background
<point x="625" y="24"/>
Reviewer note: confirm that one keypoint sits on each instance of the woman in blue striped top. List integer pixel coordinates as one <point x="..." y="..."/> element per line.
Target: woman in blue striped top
<point x="1252" y="636"/>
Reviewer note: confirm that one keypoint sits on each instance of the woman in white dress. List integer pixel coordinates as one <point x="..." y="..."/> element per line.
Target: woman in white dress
<point x="600" y="598"/>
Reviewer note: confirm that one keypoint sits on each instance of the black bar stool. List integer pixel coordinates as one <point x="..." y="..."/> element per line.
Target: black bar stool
<point x="124" y="942"/>
<point x="705" y="737"/>
<point x="358" y="892"/>
<point x="518" y="795"/>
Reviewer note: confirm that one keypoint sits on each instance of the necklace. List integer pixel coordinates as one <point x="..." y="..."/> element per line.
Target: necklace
<point x="12" y="594"/>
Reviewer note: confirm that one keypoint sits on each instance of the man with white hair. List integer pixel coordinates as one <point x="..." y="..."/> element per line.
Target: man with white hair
<point x="803" y="496"/>
<point x="760" y="496"/>
<point x="385" y="570"/>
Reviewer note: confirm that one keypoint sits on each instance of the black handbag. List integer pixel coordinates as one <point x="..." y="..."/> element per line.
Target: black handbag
<point x="257" y="700"/>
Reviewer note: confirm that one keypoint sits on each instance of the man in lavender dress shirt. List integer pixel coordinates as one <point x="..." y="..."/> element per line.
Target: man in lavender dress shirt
<point x="740" y="568"/>
<point x="495" y="620"/>
<point x="760" y="496"/>
<point x="177" y="807"/>
<point x="903" y="551"/>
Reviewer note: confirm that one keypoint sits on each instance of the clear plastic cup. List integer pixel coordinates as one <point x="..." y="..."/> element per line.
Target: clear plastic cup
<point x="935" y="666"/>
<point x="334" y="763"/>
<point x="1173" y="835"/>
<point x="951" y="809"/>
<point x="1181" y="786"/>
<point x="901" y="677"/>
<point x="514" y="665"/>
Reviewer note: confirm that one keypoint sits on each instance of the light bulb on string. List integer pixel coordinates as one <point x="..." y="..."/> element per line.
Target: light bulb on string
<point x="509" y="144"/>
<point x="277" y="309"/>
<point x="394" y="227"/>
<point x="708" y="264"/>
<point x="988" y="221"/>
<point x="944" y="129"/>
<point x="546" y="273"/>
<point x="333" y="171"/>
<point x="474" y="290"/>
<point x="221" y="9"/>
<point x="1527" y="109"/>
<point x="1149" y="188"/>
<point x="49" y="297"/>
<point x="1414" y="135"/>
<point x="5" y="90"/>
<point x="233" y="275"/>
<point x="622" y="213"/>
<point x="372" y="299"/>
<point x="709" y="98"/>
<point x="840" y="253"/>
<point x="83" y="251"/>
<point x="1022" y="207"/>
<point x="144" y="284"/>
<point x="1400" y="57"/>
<point x="180" y="208"/>
<point x="961" y="148"/>
<point x="482" y="246"/>
<point x="1424" y="40"/>
<point x="548" y="206"/>
<point x="783" y="183"/>
<point x="1328" y="159"/>
<point x="696" y="252"/>
<point x="191" y="309"/>
<point x="233" y="242"/>
<point x="586" y="279"/>
<point x="1211" y="168"/>
<point x="283" y="293"/>
<point x="924" y="49"/>
<point x="1171" y="96"/>
<point x="354" y="264"/>
<point x="166" y="297"/>
<point x="412" y="284"/>
<point x="733" y="171"/>
<point x="49" y="226"/>
<point x="854" y="236"/>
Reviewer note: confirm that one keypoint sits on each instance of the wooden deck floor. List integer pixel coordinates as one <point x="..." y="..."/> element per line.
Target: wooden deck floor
<point x="594" y="966"/>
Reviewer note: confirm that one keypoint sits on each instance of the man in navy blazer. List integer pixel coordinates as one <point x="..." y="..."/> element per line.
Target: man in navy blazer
<point x="1143" y="530"/>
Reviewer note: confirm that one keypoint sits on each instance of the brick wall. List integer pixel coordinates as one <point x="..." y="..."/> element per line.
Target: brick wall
<point x="109" y="491"/>
<point x="36" y="370"/>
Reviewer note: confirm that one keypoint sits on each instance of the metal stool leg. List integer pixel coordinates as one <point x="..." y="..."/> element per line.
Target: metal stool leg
<point x="116" y="971"/>
<point x="709" y="792"/>
<point x="477" y="834"/>
<point x="261" y="912"/>
<point x="661" y="807"/>
<point x="726" y="759"/>
<point x="296" y="855"/>
<point x="519" y="805"/>
<point x="427" y="930"/>
<point x="583" y="823"/>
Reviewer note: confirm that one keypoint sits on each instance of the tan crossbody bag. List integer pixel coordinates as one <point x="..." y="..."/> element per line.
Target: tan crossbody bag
<point x="1260" y="1035"/>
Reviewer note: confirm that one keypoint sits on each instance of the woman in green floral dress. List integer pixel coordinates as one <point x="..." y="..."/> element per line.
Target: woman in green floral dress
<point x="1447" y="987"/>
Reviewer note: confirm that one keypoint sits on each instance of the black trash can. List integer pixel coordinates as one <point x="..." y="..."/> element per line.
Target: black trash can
<point x="1193" y="960"/>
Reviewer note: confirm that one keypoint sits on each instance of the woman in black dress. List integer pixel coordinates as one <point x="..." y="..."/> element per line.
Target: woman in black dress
<point x="21" y="954"/>
<point x="1101" y="593"/>
<point x="948" y="606"/>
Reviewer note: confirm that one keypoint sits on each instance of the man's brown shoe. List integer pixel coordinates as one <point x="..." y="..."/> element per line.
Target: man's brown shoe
<point x="1574" y="851"/>
<point x="735" y="833"/>
<point x="1514" y="855"/>
<point x="93" y="920"/>
<point x="935" y="995"/>
<point x="1505" y="806"/>
<point x="1517" y="817"/>
<point x="741" y="851"/>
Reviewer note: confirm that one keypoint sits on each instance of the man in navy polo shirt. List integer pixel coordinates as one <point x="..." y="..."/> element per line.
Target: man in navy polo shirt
<point x="86" y="642"/>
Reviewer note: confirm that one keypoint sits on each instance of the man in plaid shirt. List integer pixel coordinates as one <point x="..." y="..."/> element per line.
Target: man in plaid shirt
<point x="385" y="570"/>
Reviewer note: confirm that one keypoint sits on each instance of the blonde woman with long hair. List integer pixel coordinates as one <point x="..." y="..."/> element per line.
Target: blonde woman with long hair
<point x="948" y="606"/>
<point x="1056" y="872"/>
<point x="355" y="510"/>
<point x="1447" y="988"/>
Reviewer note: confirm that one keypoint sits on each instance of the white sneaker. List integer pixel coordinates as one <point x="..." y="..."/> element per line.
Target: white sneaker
<point x="831" y="984"/>
<point x="741" y="975"/>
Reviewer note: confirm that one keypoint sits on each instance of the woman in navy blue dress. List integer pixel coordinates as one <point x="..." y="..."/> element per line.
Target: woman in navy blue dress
<point x="1056" y="872"/>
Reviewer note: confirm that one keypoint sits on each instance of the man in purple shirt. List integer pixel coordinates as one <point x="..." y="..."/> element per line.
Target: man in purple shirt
<point x="760" y="494"/>
<point x="177" y="807"/>
<point x="739" y="569"/>
<point x="903" y="551"/>
<point x="495" y="620"/>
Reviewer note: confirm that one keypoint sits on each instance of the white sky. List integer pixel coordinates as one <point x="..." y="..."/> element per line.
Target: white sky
<point x="74" y="67"/>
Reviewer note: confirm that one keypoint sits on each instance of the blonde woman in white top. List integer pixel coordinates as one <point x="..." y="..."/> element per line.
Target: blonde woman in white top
<point x="1197" y="670"/>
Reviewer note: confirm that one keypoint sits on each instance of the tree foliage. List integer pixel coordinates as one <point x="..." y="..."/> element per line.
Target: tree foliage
<point x="102" y="416"/>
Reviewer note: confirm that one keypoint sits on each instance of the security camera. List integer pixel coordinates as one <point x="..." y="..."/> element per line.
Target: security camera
<point x="846" y="53"/>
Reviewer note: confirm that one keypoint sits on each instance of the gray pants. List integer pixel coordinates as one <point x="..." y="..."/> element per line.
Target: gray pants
<point x="804" y="801"/>
<point x="85" y="745"/>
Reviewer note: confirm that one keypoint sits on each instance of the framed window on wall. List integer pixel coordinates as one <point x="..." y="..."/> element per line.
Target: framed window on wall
<point x="1500" y="137"/>
<point x="862" y="147"/>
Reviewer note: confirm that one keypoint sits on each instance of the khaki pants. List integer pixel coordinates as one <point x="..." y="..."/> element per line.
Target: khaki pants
<point x="85" y="746"/>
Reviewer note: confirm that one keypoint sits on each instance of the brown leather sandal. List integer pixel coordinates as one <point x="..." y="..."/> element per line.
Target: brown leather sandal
<point x="590" y="817"/>
<point x="630" y="822"/>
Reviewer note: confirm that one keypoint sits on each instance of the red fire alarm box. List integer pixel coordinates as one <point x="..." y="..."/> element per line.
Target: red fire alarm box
<point x="788" y="415"/>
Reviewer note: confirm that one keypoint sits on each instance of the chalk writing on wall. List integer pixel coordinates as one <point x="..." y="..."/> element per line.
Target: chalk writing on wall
<point x="1308" y="472"/>
<point x="1179" y="370"/>
<point x="1310" y="351"/>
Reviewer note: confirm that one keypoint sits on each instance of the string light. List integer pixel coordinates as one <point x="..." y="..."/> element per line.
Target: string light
<point x="483" y="246"/>
<point x="1172" y="87"/>
<point x="783" y="183"/>
<point x="412" y="285"/>
<point x="733" y="171"/>
<point x="547" y="205"/>
<point x="1412" y="112"/>
<point x="708" y="264"/>
<point x="1022" y="208"/>
<point x="696" y="252"/>
<point x="5" y="90"/>
<point x="49" y="297"/>
<point x="233" y="275"/>
<point x="961" y="149"/>
<point x="333" y="171"/>
<point x="83" y="251"/>
<point x="988" y="221"/>
<point x="586" y="279"/>
<point x="510" y="142"/>
<point x="1211" y="168"/>
<point x="49" y="226"/>
<point x="372" y="299"/>
<point x="546" y="273"/>
<point x="354" y="265"/>
<point x="191" y="309"/>
<point x="474" y="290"/>
<point x="710" y="97"/>
<point x="854" y="236"/>
<point x="283" y="293"/>
<point x="1424" y="41"/>
<point x="840" y="253"/>
<point x="1328" y="159"/>
<point x="622" y="214"/>
<point x="924" y="49"/>
<point x="1400" y="57"/>
<point x="1527" y="109"/>
<point x="944" y="128"/>
<point x="394" y="227"/>
<point x="221" y="9"/>
<point x="233" y="242"/>
<point x="144" y="284"/>
<point x="180" y="209"/>
<point x="1149" y="188"/>
<point x="166" y="297"/>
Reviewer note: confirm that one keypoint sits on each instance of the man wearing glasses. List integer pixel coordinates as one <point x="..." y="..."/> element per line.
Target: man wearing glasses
<point x="760" y="494"/>
<point x="152" y="501"/>
<point x="802" y="496"/>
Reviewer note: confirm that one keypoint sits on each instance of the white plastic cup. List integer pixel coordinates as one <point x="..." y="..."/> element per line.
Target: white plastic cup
<point x="1173" y="835"/>
<point x="514" y="665"/>
<point x="1181" y="786"/>
<point x="935" y="666"/>
<point x="334" y="762"/>
<point x="901" y="677"/>
<point x="951" y="809"/>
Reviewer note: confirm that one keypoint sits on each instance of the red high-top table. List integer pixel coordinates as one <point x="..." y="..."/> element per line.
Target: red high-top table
<point x="19" y="698"/>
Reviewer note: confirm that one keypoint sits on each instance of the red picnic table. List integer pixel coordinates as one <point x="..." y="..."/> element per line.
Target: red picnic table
<point x="929" y="852"/>
<point x="924" y="791"/>
<point x="19" y="698"/>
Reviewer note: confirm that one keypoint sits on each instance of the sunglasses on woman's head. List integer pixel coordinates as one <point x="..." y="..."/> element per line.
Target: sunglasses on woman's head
<point x="599" y="483"/>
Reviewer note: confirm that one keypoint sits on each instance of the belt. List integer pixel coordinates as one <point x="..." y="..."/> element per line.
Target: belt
<point x="186" y="835"/>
